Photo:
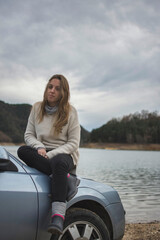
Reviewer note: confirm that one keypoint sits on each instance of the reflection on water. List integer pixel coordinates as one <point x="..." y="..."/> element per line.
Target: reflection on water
<point x="134" y="174"/>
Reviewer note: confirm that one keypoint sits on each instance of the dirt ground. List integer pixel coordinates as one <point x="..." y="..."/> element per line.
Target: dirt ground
<point x="142" y="231"/>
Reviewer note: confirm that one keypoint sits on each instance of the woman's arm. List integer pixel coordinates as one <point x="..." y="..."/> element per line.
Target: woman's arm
<point x="30" y="133"/>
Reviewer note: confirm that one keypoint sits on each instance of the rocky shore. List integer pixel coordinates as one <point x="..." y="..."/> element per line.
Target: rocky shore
<point x="142" y="231"/>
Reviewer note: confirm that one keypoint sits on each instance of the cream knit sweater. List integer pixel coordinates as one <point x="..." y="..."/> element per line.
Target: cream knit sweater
<point x="42" y="134"/>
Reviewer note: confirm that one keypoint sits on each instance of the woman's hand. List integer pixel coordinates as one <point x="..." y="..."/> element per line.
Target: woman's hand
<point x="42" y="152"/>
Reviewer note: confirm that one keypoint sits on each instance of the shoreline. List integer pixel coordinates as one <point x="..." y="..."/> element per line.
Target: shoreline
<point x="107" y="146"/>
<point x="10" y="144"/>
<point x="122" y="146"/>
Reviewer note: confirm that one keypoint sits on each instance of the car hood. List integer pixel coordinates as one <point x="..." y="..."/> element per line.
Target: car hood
<point x="31" y="170"/>
<point x="107" y="191"/>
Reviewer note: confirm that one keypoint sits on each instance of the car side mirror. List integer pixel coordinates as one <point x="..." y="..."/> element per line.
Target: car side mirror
<point x="7" y="165"/>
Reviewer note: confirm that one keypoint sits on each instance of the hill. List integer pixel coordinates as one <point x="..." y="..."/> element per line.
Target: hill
<point x="13" y="121"/>
<point x="139" y="128"/>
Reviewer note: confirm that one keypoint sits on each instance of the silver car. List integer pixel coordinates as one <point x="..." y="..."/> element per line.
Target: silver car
<point x="95" y="213"/>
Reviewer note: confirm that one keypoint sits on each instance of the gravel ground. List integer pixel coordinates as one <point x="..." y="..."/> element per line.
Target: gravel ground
<point x="142" y="231"/>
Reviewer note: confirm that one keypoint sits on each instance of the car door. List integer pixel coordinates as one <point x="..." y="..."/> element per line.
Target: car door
<point x="18" y="204"/>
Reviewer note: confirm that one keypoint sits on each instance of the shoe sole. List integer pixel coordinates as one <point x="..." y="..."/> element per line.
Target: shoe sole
<point x="54" y="230"/>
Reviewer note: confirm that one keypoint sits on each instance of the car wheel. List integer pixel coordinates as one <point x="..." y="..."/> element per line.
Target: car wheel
<point x="83" y="224"/>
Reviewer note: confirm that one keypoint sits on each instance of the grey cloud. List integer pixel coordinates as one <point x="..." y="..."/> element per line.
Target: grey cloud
<point x="102" y="46"/>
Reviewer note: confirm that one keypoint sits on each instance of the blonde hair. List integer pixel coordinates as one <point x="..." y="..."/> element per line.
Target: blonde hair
<point x="63" y="105"/>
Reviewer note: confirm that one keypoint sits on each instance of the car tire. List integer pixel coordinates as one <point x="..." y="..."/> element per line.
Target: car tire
<point x="83" y="224"/>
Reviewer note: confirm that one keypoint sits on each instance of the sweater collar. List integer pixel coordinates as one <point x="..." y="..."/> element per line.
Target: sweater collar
<point x="50" y="110"/>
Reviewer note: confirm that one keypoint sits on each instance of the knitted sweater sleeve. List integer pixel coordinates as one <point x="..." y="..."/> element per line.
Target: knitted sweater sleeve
<point x="30" y="133"/>
<point x="73" y="138"/>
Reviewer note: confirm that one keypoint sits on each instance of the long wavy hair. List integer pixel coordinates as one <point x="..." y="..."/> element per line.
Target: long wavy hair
<point x="63" y="105"/>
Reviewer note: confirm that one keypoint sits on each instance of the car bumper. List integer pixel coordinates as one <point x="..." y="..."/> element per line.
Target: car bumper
<point x="117" y="216"/>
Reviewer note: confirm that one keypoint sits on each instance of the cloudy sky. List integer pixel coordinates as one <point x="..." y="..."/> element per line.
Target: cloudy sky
<point x="108" y="50"/>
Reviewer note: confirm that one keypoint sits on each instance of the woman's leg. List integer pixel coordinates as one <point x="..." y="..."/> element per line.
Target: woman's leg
<point x="60" y="165"/>
<point x="31" y="157"/>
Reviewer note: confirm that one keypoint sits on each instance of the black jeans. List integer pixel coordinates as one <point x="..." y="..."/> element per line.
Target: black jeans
<point x="59" y="166"/>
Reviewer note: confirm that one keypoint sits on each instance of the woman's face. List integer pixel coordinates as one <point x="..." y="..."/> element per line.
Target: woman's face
<point x="53" y="93"/>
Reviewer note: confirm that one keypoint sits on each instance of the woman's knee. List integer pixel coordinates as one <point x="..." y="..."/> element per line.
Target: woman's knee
<point x="60" y="162"/>
<point x="20" y="151"/>
<point x="23" y="151"/>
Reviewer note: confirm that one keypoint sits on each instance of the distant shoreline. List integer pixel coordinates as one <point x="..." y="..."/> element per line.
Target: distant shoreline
<point x="11" y="144"/>
<point x="107" y="146"/>
<point x="123" y="146"/>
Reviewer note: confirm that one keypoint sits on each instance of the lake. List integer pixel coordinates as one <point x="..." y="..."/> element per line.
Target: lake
<point x="134" y="174"/>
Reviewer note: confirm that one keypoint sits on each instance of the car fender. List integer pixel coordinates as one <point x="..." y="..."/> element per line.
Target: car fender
<point x="113" y="210"/>
<point x="87" y="193"/>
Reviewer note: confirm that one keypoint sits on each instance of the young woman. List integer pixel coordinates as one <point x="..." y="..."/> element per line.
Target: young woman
<point x="52" y="140"/>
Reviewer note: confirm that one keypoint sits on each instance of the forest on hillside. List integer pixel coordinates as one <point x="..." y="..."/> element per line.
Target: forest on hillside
<point x="140" y="128"/>
<point x="13" y="121"/>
